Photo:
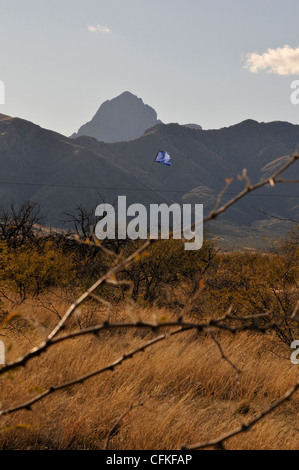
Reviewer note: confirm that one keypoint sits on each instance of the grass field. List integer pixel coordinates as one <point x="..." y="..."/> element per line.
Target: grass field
<point x="176" y="393"/>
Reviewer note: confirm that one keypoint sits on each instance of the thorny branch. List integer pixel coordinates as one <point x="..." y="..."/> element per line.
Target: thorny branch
<point x="110" y="367"/>
<point x="218" y="443"/>
<point x="183" y="327"/>
<point x="217" y="323"/>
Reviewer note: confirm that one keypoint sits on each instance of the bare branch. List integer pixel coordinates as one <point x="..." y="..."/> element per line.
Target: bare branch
<point x="223" y="356"/>
<point x="218" y="443"/>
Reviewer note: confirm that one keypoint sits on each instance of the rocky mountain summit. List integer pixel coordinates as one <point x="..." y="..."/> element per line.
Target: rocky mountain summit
<point x="123" y="118"/>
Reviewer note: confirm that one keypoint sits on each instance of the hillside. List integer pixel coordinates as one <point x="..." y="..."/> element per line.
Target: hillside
<point x="60" y="172"/>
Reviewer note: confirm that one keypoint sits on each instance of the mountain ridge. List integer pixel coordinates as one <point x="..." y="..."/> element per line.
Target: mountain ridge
<point x="64" y="172"/>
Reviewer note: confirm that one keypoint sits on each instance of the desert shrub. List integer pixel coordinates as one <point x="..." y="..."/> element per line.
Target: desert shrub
<point x="253" y="283"/>
<point x="30" y="269"/>
<point x="18" y="224"/>
<point x="168" y="264"/>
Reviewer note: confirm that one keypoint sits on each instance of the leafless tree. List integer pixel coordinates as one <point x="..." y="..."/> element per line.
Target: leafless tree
<point x="19" y="223"/>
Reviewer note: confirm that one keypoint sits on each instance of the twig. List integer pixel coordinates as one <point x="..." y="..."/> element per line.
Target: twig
<point x="218" y="443"/>
<point x="249" y="188"/>
<point x="83" y="378"/>
<point x="223" y="356"/>
<point x="218" y="323"/>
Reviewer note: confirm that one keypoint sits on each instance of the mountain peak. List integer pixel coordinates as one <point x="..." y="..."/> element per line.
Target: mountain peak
<point x="127" y="94"/>
<point x="122" y="118"/>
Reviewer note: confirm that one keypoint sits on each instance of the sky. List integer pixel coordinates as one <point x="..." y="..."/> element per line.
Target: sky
<point x="210" y="62"/>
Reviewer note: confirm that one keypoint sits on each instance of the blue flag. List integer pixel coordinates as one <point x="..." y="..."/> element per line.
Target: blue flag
<point x="163" y="157"/>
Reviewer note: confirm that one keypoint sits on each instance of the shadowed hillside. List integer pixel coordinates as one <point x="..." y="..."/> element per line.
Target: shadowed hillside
<point x="59" y="172"/>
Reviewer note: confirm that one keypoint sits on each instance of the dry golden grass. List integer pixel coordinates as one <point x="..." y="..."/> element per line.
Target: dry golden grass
<point x="189" y="394"/>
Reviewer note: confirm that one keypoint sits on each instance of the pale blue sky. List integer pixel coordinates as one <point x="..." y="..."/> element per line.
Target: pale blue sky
<point x="184" y="58"/>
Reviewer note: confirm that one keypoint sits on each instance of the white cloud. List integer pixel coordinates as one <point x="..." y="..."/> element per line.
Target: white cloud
<point x="98" y="29"/>
<point x="282" y="61"/>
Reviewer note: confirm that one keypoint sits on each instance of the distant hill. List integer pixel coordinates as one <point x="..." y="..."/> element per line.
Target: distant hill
<point x="192" y="126"/>
<point x="123" y="118"/>
<point x="60" y="172"/>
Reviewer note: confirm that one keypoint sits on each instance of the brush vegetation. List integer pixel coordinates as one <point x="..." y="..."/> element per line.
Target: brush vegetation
<point x="178" y="392"/>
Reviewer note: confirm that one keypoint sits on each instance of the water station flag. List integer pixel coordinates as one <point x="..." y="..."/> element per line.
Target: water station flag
<point x="163" y="157"/>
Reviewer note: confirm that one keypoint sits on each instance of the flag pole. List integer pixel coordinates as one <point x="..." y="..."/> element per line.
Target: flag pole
<point x="149" y="171"/>
<point x="147" y="176"/>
